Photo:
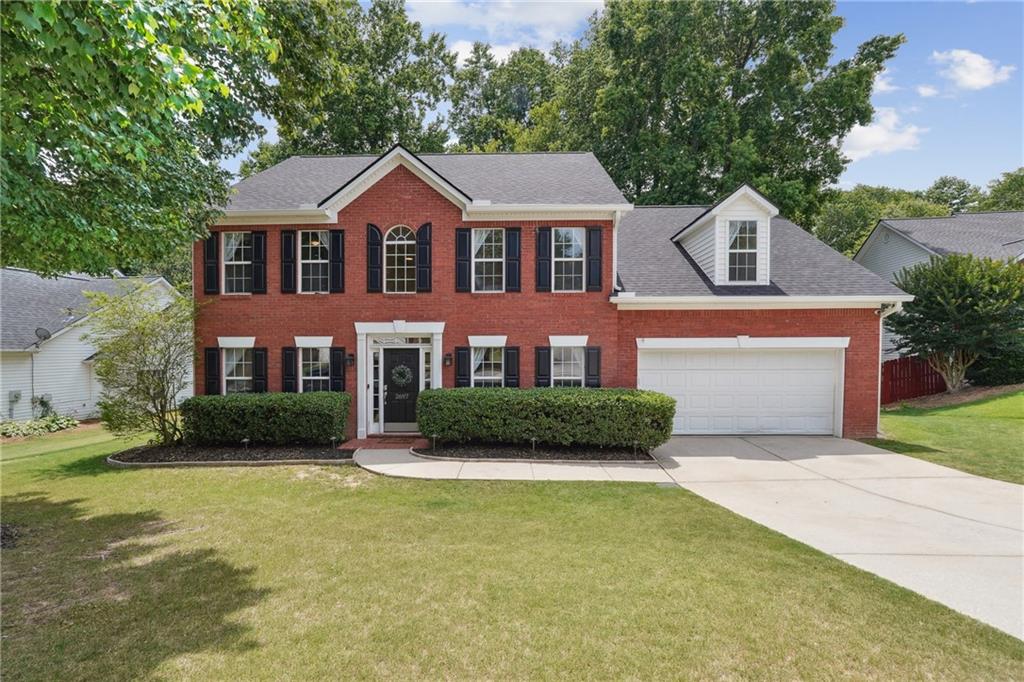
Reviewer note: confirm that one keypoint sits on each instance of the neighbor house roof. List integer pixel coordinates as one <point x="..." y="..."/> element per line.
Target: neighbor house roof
<point x="29" y="302"/>
<point x="651" y="264"/>
<point x="570" y="178"/>
<point x="997" y="235"/>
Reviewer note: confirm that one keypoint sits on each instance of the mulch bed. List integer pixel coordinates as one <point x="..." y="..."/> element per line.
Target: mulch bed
<point x="965" y="395"/>
<point x="230" y="453"/>
<point x="9" y="534"/>
<point x="493" y="451"/>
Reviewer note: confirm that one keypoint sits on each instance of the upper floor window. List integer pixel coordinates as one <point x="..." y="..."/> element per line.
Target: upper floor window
<point x="314" y="259"/>
<point x="315" y="370"/>
<point x="237" y="262"/>
<point x="237" y="370"/>
<point x="568" y="258"/>
<point x="742" y="250"/>
<point x="567" y="366"/>
<point x="489" y="259"/>
<point x="400" y="261"/>
<point x="488" y="367"/>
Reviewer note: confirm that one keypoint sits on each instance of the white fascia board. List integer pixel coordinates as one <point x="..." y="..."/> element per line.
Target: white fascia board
<point x="311" y="216"/>
<point x="564" y="341"/>
<point x="752" y="302"/>
<point x="314" y="341"/>
<point x="745" y="342"/>
<point x="236" y="341"/>
<point x="487" y="341"/>
<point x="747" y="192"/>
<point x="399" y="327"/>
<point x="481" y="210"/>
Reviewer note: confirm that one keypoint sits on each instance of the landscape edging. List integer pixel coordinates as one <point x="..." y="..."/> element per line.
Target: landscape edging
<point x="118" y="464"/>
<point x="649" y="459"/>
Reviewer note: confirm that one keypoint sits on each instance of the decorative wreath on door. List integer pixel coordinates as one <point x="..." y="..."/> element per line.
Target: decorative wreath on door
<point x="401" y="375"/>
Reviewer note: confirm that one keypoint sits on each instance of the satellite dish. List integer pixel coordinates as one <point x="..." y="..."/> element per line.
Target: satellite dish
<point x="42" y="333"/>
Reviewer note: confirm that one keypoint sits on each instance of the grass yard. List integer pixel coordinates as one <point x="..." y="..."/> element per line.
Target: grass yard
<point x="985" y="437"/>
<point x="324" y="572"/>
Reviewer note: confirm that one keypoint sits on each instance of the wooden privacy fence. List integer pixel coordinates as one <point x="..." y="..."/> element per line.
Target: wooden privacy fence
<point x="909" y="377"/>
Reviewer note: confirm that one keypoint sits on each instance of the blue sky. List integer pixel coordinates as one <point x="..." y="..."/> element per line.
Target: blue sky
<point x="950" y="103"/>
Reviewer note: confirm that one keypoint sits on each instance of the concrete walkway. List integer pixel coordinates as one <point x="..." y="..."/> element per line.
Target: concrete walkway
<point x="951" y="536"/>
<point x="404" y="464"/>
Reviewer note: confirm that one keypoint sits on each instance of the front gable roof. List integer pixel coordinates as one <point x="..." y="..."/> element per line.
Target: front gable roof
<point x="743" y="191"/>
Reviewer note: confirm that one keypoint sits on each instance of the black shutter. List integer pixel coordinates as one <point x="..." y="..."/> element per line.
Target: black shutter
<point x="542" y="366"/>
<point x="259" y="262"/>
<point x="336" y="257"/>
<point x="594" y="259"/>
<point x="512" y="259"/>
<point x="374" y="259"/>
<point x="423" y="257"/>
<point x="337" y="369"/>
<point x="512" y="366"/>
<point x="592" y="377"/>
<point x="259" y="370"/>
<point x="463" y="260"/>
<point x="289" y="370"/>
<point x="462" y="367"/>
<point x="211" y="365"/>
<point x="288" y="260"/>
<point x="211" y="264"/>
<point x="543" y="259"/>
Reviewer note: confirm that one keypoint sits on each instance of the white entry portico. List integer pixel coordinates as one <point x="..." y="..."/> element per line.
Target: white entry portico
<point x="372" y="340"/>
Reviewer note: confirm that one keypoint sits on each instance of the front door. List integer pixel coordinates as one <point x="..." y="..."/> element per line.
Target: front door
<point x="401" y="388"/>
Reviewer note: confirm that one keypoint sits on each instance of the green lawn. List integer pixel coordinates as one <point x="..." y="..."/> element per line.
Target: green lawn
<point x="985" y="437"/>
<point x="324" y="572"/>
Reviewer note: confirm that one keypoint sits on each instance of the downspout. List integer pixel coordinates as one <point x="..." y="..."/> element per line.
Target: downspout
<point x="615" y="251"/>
<point x="885" y="311"/>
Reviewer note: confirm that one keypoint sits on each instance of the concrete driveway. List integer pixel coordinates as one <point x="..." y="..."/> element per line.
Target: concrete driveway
<point x="951" y="536"/>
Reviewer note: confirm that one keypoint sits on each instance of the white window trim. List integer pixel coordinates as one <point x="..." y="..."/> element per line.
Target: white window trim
<point x="236" y="341"/>
<point x="474" y="260"/>
<point x="384" y="242"/>
<point x="488" y="341"/>
<point x="583" y="366"/>
<point x="298" y="270"/>
<point x="729" y="250"/>
<point x="501" y="356"/>
<point x="582" y="259"/>
<point x="562" y="341"/>
<point x="314" y="341"/>
<point x="302" y="376"/>
<point x="223" y="264"/>
<point x="224" y="370"/>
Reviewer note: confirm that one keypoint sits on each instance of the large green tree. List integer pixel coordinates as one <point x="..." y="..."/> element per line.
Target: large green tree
<point x="1005" y="193"/>
<point x="957" y="194"/>
<point x="353" y="80"/>
<point x="846" y="218"/>
<point x="113" y="116"/>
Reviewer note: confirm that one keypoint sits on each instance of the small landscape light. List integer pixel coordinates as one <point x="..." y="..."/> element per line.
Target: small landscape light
<point x="245" y="442"/>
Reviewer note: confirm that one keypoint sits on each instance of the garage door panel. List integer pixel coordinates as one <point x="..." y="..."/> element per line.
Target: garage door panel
<point x="745" y="391"/>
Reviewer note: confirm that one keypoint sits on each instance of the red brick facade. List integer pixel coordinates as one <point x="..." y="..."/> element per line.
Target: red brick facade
<point x="527" y="317"/>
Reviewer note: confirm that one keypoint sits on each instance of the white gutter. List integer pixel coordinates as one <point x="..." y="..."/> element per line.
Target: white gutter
<point x="630" y="301"/>
<point x="883" y="313"/>
<point x="301" y="215"/>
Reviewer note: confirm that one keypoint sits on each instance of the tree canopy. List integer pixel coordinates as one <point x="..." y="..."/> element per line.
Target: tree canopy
<point x="847" y="217"/>
<point x="114" y="115"/>
<point x="1005" y="193"/>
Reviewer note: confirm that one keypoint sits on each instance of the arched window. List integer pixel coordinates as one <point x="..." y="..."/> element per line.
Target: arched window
<point x="400" y="260"/>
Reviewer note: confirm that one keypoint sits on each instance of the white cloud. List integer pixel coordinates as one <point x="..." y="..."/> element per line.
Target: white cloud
<point x="884" y="84"/>
<point x="971" y="71"/>
<point x="464" y="48"/>
<point x="506" y="21"/>
<point x="925" y="90"/>
<point x="884" y="135"/>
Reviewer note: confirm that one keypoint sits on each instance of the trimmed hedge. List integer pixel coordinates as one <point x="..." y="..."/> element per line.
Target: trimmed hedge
<point x="266" y="418"/>
<point x="595" y="417"/>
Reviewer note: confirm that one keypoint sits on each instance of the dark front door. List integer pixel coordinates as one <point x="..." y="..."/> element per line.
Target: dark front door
<point x="401" y="387"/>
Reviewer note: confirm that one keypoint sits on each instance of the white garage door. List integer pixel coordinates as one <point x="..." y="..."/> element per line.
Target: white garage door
<point x="745" y="391"/>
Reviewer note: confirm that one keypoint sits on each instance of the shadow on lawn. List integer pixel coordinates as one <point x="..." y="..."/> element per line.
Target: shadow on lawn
<point x="107" y="596"/>
<point x="898" y="446"/>
<point x="94" y="465"/>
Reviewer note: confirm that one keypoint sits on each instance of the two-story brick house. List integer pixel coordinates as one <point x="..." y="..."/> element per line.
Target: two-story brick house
<point x="384" y="276"/>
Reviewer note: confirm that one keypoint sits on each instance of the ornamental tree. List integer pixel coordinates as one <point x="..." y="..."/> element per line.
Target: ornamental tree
<point x="144" y="360"/>
<point x="964" y="308"/>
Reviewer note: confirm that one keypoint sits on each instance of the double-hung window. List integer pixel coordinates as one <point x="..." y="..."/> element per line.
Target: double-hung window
<point x="489" y="259"/>
<point x="488" y="367"/>
<point x="567" y="366"/>
<point x="237" y="370"/>
<point x="568" y="258"/>
<point x="315" y="370"/>
<point x="314" y="261"/>
<point x="237" y="262"/>
<point x="742" y="250"/>
<point x="400" y="261"/>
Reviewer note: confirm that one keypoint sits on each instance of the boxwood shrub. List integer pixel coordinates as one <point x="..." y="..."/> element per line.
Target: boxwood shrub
<point x="266" y="418"/>
<point x="594" y="417"/>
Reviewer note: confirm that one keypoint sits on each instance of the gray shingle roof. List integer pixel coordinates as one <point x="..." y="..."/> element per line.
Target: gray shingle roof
<point x="650" y="264"/>
<point x="28" y="301"/>
<point x="532" y="178"/>
<point x="986" y="235"/>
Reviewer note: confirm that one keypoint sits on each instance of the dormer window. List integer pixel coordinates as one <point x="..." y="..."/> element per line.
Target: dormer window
<point x="742" y="250"/>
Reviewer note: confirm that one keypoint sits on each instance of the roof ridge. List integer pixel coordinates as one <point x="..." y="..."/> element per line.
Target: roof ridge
<point x="671" y="205"/>
<point x="944" y="217"/>
<point x="374" y="156"/>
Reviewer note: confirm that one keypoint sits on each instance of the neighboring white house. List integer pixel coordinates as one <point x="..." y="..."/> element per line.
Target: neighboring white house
<point x="41" y="350"/>
<point x="899" y="243"/>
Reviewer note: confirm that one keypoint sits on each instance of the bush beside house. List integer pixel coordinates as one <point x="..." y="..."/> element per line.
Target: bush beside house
<point x="266" y="418"/>
<point x="593" y="417"/>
